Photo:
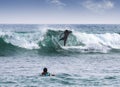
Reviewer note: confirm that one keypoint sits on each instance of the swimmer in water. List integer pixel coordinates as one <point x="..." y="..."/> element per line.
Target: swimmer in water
<point x="46" y="73"/>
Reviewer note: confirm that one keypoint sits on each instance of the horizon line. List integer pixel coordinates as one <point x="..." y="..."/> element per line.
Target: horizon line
<point x="63" y="23"/>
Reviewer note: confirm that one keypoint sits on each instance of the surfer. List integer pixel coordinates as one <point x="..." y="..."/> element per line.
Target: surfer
<point x="66" y="33"/>
<point x="46" y="73"/>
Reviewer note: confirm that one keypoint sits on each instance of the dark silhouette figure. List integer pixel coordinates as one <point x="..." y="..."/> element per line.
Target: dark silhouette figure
<point x="46" y="73"/>
<point x="66" y="34"/>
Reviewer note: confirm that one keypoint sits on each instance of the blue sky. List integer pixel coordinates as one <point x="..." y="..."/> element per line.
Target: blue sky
<point x="60" y="11"/>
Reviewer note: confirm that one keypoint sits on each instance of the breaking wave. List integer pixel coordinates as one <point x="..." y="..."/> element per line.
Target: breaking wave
<point x="48" y="40"/>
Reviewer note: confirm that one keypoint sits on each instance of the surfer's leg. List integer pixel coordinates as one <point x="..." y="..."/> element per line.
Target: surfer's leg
<point x="65" y="42"/>
<point x="61" y="39"/>
<point x="65" y="39"/>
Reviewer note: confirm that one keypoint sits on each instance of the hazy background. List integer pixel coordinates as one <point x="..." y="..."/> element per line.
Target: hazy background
<point x="60" y="11"/>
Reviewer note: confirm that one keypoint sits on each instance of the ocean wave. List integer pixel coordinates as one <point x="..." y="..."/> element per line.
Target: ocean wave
<point x="48" y="40"/>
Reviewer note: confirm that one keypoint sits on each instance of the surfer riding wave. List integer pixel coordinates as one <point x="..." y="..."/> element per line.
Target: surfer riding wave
<point x="65" y="36"/>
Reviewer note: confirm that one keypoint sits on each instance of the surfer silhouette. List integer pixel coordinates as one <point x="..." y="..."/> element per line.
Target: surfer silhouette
<point x="65" y="36"/>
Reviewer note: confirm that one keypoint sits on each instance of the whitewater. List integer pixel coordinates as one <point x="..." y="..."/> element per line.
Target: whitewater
<point x="89" y="59"/>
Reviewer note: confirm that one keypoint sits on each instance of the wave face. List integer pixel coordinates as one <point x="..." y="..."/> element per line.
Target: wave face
<point x="48" y="41"/>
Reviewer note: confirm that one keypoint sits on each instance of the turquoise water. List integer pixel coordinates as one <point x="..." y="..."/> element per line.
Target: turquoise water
<point x="89" y="59"/>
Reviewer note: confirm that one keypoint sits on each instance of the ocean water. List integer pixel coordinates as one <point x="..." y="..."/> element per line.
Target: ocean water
<point x="91" y="57"/>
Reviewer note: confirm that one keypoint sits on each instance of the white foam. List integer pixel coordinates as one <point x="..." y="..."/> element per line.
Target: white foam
<point x="100" y="42"/>
<point x="28" y="40"/>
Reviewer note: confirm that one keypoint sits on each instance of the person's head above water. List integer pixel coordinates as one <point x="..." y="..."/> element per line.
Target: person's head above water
<point x="46" y="73"/>
<point x="45" y="69"/>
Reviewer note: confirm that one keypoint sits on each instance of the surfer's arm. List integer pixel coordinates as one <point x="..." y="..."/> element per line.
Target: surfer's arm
<point x="61" y="35"/>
